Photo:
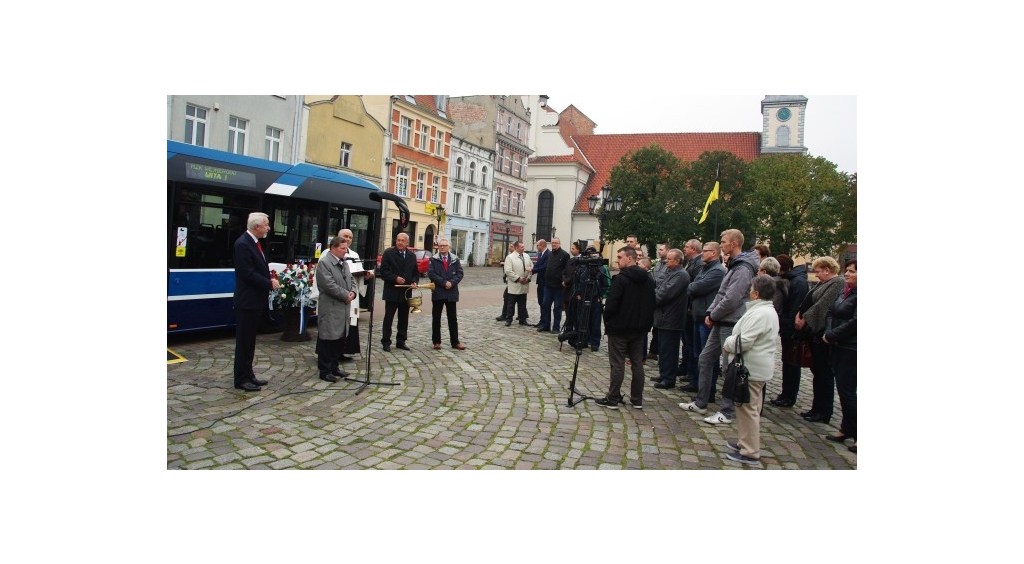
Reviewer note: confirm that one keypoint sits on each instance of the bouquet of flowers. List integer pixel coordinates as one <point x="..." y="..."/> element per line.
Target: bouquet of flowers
<point x="296" y="286"/>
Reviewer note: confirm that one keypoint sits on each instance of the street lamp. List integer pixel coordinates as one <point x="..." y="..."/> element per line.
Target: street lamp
<point x="440" y="213"/>
<point x="607" y="203"/>
<point x="533" y="239"/>
<point x="552" y="231"/>
<point x="508" y="227"/>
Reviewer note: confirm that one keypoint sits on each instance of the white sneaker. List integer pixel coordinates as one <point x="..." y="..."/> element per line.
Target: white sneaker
<point x="717" y="418"/>
<point x="692" y="406"/>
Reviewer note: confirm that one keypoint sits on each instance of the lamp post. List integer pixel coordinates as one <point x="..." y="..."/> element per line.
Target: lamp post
<point x="607" y="203"/>
<point x="440" y="213"/>
<point x="508" y="227"/>
<point x="533" y="239"/>
<point x="552" y="231"/>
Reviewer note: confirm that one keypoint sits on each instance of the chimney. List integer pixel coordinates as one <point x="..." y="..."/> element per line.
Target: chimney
<point x="543" y="100"/>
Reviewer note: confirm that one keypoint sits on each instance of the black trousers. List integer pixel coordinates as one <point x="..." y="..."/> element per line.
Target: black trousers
<point x="790" y="372"/>
<point x="390" y="308"/>
<point x="328" y="353"/>
<point x="824" y="382"/>
<point x="247" y="321"/>
<point x="453" y="322"/>
<point x="844" y="365"/>
<point x="512" y="301"/>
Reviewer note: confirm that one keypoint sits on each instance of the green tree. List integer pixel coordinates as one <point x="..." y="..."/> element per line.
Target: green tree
<point x="649" y="181"/>
<point x="800" y="204"/>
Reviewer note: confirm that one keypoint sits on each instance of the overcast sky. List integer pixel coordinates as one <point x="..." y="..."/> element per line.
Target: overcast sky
<point x="830" y="129"/>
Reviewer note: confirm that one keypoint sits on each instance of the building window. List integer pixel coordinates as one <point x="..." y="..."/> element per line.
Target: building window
<point x="421" y="180"/>
<point x="435" y="193"/>
<point x="469" y="205"/>
<point x="405" y="131"/>
<point x="472" y="172"/>
<point x="519" y="130"/>
<point x="195" y="125"/>
<point x="497" y="199"/>
<point x="457" y="205"/>
<point x="273" y="144"/>
<point x="782" y="136"/>
<point x="515" y="165"/>
<point x="424" y="137"/>
<point x="508" y="202"/>
<point x="515" y="205"/>
<point x="439" y="147"/>
<point x="402" y="182"/>
<point x="458" y="168"/>
<point x="522" y="168"/>
<point x="504" y="202"/>
<point x="236" y="135"/>
<point x="508" y="126"/>
<point x="501" y="118"/>
<point x="346" y="155"/>
<point x="483" y="207"/>
<point x="507" y="167"/>
<point x="483" y="177"/>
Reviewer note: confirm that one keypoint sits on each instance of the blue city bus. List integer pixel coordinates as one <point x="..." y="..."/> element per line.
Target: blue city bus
<point x="210" y="195"/>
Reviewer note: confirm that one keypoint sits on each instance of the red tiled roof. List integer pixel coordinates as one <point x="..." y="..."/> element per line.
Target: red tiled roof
<point x="603" y="152"/>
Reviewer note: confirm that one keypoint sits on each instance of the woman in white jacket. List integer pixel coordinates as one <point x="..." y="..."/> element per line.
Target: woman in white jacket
<point x="758" y="330"/>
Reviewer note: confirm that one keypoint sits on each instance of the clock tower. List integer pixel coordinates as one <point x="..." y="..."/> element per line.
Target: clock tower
<point x="782" y="119"/>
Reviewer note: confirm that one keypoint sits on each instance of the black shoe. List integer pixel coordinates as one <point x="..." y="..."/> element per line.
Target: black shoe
<point x="248" y="386"/>
<point x="527" y="323"/>
<point x="259" y="382"/>
<point x="328" y="378"/>
<point x="689" y="388"/>
<point x="816" y="418"/>
<point x="664" y="386"/>
<point x="386" y="348"/>
<point x="637" y="404"/>
<point x="837" y="438"/>
<point x="807" y="413"/>
<point x="340" y="374"/>
<point x="508" y="323"/>
<point x="500" y="318"/>
<point x="542" y="330"/>
<point x="653" y="356"/>
<point x="346" y="359"/>
<point x="852" y="448"/>
<point x="605" y="402"/>
<point x="403" y="347"/>
<point x="782" y="402"/>
<point x="594" y="349"/>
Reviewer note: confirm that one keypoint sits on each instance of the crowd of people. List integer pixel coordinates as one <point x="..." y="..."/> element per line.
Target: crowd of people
<point x="692" y="310"/>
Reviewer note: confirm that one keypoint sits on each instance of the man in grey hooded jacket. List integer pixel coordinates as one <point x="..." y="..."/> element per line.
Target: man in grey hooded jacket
<point x="728" y="306"/>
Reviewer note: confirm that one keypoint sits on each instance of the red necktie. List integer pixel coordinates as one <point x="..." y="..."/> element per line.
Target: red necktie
<point x="446" y="262"/>
<point x="260" y="247"/>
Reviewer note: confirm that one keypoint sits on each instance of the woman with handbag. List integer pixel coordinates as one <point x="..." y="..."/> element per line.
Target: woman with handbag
<point x="811" y="320"/>
<point x="791" y="365"/>
<point x="755" y="336"/>
<point x="841" y="335"/>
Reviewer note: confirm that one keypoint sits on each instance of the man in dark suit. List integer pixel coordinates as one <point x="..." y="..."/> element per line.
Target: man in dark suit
<point x="253" y="283"/>
<point x="397" y="266"/>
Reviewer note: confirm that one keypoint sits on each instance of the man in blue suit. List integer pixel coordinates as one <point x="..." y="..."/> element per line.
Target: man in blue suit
<point x="253" y="283"/>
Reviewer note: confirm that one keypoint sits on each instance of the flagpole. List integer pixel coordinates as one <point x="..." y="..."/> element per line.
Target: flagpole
<point x="718" y="174"/>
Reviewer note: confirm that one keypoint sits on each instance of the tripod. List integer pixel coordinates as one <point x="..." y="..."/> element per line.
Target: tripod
<point x="579" y="335"/>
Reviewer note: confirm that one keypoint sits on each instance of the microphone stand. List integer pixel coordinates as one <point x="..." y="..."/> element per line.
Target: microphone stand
<point x="369" y="341"/>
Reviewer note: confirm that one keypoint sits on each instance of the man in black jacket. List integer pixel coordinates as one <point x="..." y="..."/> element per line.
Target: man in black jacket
<point x="397" y="266"/>
<point x="552" y="281"/>
<point x="628" y="316"/>
<point x="253" y="284"/>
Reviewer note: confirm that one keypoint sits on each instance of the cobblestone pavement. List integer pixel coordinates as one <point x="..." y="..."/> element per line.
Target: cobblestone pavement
<point x="482" y="407"/>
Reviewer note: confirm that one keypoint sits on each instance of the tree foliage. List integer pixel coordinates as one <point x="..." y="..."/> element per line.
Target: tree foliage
<point x="797" y="204"/>
<point x="650" y="182"/>
<point x="801" y="204"/>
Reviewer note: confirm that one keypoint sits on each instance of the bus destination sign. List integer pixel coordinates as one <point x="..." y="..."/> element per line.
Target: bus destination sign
<point x="220" y="174"/>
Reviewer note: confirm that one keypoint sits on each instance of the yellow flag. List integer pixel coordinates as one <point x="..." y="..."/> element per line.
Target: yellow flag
<point x="711" y="198"/>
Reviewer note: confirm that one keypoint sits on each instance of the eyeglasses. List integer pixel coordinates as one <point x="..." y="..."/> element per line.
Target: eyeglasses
<point x="709" y="251"/>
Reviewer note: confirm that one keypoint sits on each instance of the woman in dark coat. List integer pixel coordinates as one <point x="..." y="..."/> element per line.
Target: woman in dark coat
<point x="811" y="320"/>
<point x="841" y="335"/>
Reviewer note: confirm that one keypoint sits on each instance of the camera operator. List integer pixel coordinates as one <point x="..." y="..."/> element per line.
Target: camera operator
<point x="628" y="318"/>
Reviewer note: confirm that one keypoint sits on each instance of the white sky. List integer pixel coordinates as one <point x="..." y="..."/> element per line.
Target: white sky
<point x="830" y="129"/>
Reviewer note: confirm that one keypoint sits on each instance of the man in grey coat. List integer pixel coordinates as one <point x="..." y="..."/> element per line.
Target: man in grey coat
<point x="337" y="291"/>
<point x="728" y="306"/>
<point x="702" y="291"/>
<point x="669" y="316"/>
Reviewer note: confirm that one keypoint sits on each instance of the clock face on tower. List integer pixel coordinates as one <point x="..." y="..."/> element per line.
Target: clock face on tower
<point x="783" y="114"/>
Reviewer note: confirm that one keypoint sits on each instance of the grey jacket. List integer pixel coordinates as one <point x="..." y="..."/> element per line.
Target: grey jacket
<point x="816" y="304"/>
<point x="670" y="299"/>
<point x="334" y="281"/>
<point x="704" y="287"/>
<point x="731" y="301"/>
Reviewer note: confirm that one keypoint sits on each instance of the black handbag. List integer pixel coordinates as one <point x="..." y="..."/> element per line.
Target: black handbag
<point x="800" y="354"/>
<point x="735" y="386"/>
